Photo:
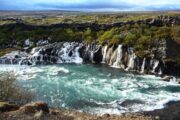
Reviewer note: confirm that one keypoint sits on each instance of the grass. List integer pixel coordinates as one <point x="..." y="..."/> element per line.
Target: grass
<point x="101" y="18"/>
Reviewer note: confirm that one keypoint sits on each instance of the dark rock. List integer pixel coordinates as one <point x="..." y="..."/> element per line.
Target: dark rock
<point x="170" y="112"/>
<point x="167" y="78"/>
<point x="98" y="56"/>
<point x="127" y="103"/>
<point x="5" y="107"/>
<point x="106" y="115"/>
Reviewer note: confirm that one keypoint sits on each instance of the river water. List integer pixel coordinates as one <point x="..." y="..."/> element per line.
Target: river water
<point x="96" y="89"/>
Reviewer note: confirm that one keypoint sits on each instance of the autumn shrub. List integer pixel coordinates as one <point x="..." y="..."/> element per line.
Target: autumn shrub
<point x="10" y="91"/>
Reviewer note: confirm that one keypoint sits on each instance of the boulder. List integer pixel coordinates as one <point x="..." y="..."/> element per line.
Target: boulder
<point x="35" y="107"/>
<point x="167" y="78"/>
<point x="128" y="103"/>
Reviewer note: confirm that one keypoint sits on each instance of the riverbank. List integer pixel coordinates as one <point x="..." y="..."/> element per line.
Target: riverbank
<point x="40" y="110"/>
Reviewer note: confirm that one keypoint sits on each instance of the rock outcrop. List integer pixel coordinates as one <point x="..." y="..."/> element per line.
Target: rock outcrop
<point x="40" y="111"/>
<point x="159" y="21"/>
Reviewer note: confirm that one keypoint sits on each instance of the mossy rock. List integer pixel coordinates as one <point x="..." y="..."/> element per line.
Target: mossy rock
<point x="143" y="54"/>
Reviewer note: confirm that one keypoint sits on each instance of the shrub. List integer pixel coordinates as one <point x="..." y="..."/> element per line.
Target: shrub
<point x="11" y="92"/>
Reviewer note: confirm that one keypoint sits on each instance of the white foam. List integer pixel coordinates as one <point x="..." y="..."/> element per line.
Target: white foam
<point x="55" y="70"/>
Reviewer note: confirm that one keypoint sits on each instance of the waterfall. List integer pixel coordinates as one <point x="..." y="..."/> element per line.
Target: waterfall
<point x="143" y="65"/>
<point x="20" y="62"/>
<point x="131" y="62"/>
<point x="34" y="57"/>
<point x="118" y="57"/>
<point x="69" y="53"/>
<point x="132" y="56"/>
<point x="92" y="56"/>
<point x="160" y="72"/>
<point x="91" y="51"/>
<point x="104" y="51"/>
<point x="156" y="63"/>
<point x="77" y="59"/>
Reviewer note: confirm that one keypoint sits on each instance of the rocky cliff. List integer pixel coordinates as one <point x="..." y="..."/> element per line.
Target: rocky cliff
<point x="161" y="57"/>
<point x="118" y="56"/>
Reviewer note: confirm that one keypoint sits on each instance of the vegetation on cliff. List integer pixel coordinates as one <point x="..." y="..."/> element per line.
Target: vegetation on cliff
<point x="125" y="28"/>
<point x="136" y="35"/>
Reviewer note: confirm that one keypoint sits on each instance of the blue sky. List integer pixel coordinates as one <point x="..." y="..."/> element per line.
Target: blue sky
<point x="90" y="5"/>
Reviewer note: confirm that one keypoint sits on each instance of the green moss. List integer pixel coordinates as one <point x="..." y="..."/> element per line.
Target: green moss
<point x="143" y="53"/>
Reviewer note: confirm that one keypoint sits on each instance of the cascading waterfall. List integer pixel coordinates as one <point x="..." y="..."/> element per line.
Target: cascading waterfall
<point x="143" y="65"/>
<point x="156" y="63"/>
<point x="132" y="56"/>
<point x="20" y="62"/>
<point x="35" y="55"/>
<point x="118" y="57"/>
<point x="104" y="51"/>
<point x="69" y="54"/>
<point x="76" y="57"/>
<point x="92" y="56"/>
<point x="34" y="50"/>
<point x="160" y="72"/>
<point x="91" y="50"/>
<point x="63" y="53"/>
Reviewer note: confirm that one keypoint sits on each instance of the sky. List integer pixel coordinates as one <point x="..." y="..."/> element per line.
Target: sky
<point x="91" y="5"/>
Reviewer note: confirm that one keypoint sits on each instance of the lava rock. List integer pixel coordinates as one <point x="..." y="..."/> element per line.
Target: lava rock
<point x="127" y="103"/>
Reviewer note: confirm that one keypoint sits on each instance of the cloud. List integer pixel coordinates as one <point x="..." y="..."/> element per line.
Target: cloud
<point x="96" y="5"/>
<point x="90" y="5"/>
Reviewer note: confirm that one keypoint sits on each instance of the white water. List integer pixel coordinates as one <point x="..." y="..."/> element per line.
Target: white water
<point x="132" y="56"/>
<point x="92" y="56"/>
<point x="104" y="51"/>
<point x="173" y="79"/>
<point x="63" y="54"/>
<point x="156" y="63"/>
<point x="143" y="65"/>
<point x="77" y="59"/>
<point x="119" y="57"/>
<point x="160" y="72"/>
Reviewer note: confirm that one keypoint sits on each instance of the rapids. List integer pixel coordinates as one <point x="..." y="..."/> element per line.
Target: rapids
<point x="96" y="89"/>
